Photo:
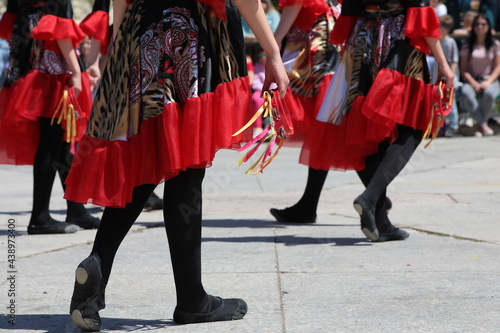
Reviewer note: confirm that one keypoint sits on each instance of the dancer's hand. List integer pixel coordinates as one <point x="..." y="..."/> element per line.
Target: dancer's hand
<point x="95" y="75"/>
<point x="253" y="13"/>
<point x="75" y="82"/>
<point x="275" y="73"/>
<point x="445" y="72"/>
<point x="69" y="54"/>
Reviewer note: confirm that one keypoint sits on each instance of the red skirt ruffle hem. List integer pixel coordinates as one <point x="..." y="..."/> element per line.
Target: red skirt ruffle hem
<point x="393" y="99"/>
<point x="21" y="105"/>
<point x="105" y="172"/>
<point x="303" y="111"/>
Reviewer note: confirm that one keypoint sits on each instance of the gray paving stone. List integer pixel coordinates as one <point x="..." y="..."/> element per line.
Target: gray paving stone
<point x="322" y="277"/>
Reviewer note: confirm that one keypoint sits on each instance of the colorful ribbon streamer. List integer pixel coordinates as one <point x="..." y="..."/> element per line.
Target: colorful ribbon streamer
<point x="65" y="111"/>
<point x="443" y="102"/>
<point x="275" y="134"/>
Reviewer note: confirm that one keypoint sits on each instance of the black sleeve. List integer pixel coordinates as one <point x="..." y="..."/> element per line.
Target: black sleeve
<point x="101" y="5"/>
<point x="14" y="7"/>
<point x="61" y="8"/>
<point x="416" y="3"/>
<point x="352" y="7"/>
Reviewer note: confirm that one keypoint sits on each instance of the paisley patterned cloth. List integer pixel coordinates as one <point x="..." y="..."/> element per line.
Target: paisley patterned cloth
<point x="382" y="80"/>
<point x="173" y="91"/>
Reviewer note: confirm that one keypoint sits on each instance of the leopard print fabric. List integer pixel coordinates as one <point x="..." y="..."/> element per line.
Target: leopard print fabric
<point x="316" y="56"/>
<point x="181" y="53"/>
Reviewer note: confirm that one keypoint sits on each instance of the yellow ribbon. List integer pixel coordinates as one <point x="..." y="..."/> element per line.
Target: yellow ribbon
<point x="265" y="110"/>
<point x="65" y="111"/>
<point x="266" y="106"/>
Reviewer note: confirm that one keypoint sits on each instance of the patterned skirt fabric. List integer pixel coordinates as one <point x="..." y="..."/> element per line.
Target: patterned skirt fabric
<point x="172" y="94"/>
<point x="36" y="82"/>
<point x="310" y="62"/>
<point x="381" y="81"/>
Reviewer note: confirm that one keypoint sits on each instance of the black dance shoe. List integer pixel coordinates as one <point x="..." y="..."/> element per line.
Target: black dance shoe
<point x="395" y="234"/>
<point x="88" y="295"/>
<point x="85" y="222"/>
<point x="367" y="214"/>
<point x="55" y="227"/>
<point x="290" y="215"/>
<point x="154" y="203"/>
<point x="228" y="309"/>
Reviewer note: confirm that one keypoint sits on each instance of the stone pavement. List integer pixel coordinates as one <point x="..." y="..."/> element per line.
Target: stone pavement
<point x="324" y="277"/>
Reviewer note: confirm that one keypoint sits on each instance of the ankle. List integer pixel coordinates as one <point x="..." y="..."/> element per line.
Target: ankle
<point x="42" y="219"/>
<point x="213" y="309"/>
<point x="76" y="210"/>
<point x="302" y="209"/>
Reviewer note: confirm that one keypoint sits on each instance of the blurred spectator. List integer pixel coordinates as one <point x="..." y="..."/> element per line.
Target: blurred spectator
<point x="495" y="7"/>
<point x="450" y="50"/>
<point x="439" y="8"/>
<point x="272" y="15"/>
<point x="4" y="59"/>
<point x="466" y="24"/>
<point x="458" y="8"/>
<point x="480" y="69"/>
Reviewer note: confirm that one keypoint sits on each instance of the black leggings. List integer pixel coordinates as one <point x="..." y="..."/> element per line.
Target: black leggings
<point x="382" y="167"/>
<point x="182" y="214"/>
<point x="52" y="155"/>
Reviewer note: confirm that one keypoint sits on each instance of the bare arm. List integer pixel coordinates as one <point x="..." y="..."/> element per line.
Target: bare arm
<point x="254" y="15"/>
<point x="119" y="9"/>
<point x="69" y="54"/>
<point x="92" y="62"/>
<point x="495" y="73"/>
<point x="288" y="16"/>
<point x="93" y="55"/>
<point x="453" y="66"/>
<point x="444" y="69"/>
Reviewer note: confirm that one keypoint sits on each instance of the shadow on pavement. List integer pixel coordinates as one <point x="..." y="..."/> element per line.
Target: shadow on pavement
<point x="291" y="240"/>
<point x="261" y="224"/>
<point x="61" y="323"/>
<point x="257" y="224"/>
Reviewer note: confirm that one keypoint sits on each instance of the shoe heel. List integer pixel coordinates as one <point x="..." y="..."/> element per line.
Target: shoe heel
<point x="81" y="275"/>
<point x="358" y="208"/>
<point x="367" y="218"/>
<point x="85" y="323"/>
<point x="88" y="295"/>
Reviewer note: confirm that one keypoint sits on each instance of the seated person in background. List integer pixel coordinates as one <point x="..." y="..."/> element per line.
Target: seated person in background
<point x="466" y="24"/>
<point x="480" y="69"/>
<point x="450" y="50"/>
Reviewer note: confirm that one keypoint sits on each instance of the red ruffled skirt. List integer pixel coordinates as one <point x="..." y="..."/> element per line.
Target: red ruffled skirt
<point x="393" y="99"/>
<point x="105" y="172"/>
<point x="310" y="61"/>
<point x="303" y="111"/>
<point x="367" y="99"/>
<point x="163" y="107"/>
<point x="24" y="102"/>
